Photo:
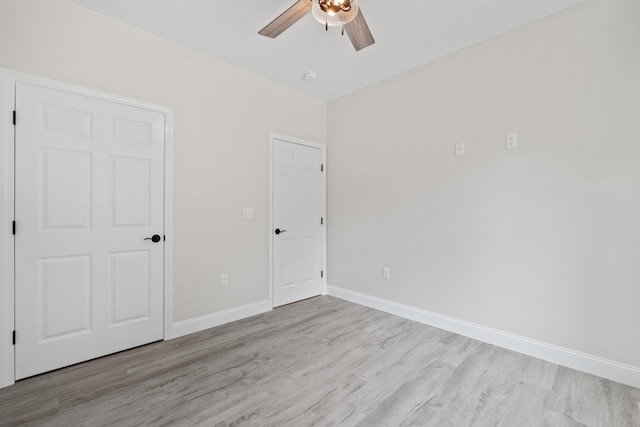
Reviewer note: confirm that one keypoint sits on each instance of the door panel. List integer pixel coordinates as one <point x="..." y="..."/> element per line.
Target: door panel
<point x="130" y="286"/>
<point x="67" y="121"/>
<point x="89" y="190"/>
<point x="131" y="192"/>
<point x="309" y="256"/>
<point x="66" y="190"/>
<point x="65" y="295"/>
<point x="297" y="208"/>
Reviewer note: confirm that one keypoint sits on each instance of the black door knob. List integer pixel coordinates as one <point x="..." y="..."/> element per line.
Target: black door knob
<point x="278" y="231"/>
<point x="155" y="238"/>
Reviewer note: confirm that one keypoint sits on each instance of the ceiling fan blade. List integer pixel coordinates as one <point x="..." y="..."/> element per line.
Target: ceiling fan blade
<point x="286" y="19"/>
<point x="359" y="33"/>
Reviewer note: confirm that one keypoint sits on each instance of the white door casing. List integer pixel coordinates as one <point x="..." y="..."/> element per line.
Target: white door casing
<point x="298" y="220"/>
<point x="89" y="184"/>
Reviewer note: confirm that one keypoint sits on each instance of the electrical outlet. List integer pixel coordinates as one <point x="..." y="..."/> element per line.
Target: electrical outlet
<point x="247" y="212"/>
<point x="511" y="140"/>
<point x="460" y="149"/>
<point x="385" y="272"/>
<point x="224" y="279"/>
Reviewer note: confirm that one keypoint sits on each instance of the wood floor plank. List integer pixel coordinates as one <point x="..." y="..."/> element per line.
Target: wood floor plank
<point x="594" y="401"/>
<point x="319" y="362"/>
<point x="410" y="396"/>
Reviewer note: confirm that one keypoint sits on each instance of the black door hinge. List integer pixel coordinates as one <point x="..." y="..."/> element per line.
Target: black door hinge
<point x="14" y="117"/>
<point x="321" y="166"/>
<point x="14" y="227"/>
<point x="321" y="220"/>
<point x="14" y="338"/>
<point x="321" y="273"/>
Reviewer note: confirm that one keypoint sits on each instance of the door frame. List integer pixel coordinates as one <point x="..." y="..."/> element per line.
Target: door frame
<point x="323" y="149"/>
<point x="8" y="80"/>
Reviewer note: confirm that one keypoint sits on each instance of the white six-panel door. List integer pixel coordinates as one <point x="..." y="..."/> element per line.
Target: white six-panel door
<point x="297" y="219"/>
<point x="89" y="190"/>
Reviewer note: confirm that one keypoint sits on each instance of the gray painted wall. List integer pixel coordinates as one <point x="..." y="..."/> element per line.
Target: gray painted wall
<point x="542" y="241"/>
<point x="222" y="119"/>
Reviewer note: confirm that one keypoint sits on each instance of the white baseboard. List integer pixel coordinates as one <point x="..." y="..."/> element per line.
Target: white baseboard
<point x="201" y="323"/>
<point x="601" y="367"/>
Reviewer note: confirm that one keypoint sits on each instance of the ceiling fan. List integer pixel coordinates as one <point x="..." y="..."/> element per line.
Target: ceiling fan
<point x="331" y="13"/>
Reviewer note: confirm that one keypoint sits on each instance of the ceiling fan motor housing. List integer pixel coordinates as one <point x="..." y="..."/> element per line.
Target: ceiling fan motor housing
<point x="335" y="6"/>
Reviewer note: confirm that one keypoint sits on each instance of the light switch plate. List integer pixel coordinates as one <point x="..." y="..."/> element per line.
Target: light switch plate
<point x="460" y="149"/>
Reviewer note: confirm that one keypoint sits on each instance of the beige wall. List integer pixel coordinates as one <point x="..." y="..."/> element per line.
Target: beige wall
<point x="542" y="241"/>
<point x="222" y="119"/>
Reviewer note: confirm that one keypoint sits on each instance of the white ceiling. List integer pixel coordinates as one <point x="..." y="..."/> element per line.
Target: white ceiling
<point x="408" y="33"/>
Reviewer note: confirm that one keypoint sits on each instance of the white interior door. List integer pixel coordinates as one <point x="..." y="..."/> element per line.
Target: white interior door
<point x="89" y="190"/>
<point x="298" y="205"/>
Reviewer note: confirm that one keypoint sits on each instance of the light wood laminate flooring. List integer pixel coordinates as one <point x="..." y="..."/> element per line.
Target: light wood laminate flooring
<point x="323" y="362"/>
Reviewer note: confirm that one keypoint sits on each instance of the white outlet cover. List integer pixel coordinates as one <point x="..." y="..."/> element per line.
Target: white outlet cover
<point x="460" y="149"/>
<point x="247" y="212"/>
<point x="511" y="140"/>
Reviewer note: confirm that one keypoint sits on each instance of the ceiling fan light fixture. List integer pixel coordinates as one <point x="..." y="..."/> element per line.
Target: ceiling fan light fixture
<point x="334" y="13"/>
